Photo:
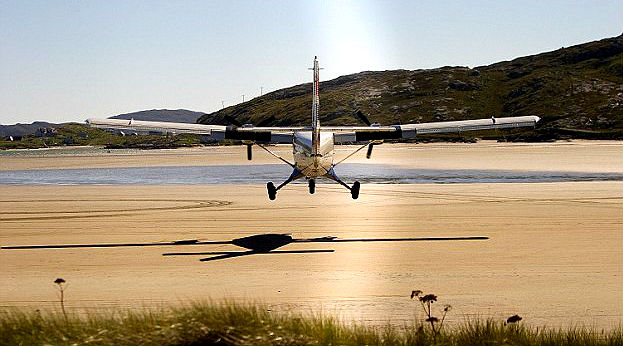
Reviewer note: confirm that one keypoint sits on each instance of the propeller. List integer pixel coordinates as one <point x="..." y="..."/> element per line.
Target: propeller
<point x="363" y="118"/>
<point x="249" y="151"/>
<point x="369" y="152"/>
<point x="359" y="114"/>
<point x="232" y="120"/>
<point x="266" y="121"/>
<point x="249" y="144"/>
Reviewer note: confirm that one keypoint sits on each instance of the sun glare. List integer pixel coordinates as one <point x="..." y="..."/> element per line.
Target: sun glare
<point x="349" y="41"/>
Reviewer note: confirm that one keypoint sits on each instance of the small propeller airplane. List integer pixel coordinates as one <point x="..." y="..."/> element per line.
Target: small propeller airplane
<point x="255" y="244"/>
<point x="313" y="146"/>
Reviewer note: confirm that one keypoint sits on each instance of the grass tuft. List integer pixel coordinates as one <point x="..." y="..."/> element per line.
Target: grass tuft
<point x="227" y="323"/>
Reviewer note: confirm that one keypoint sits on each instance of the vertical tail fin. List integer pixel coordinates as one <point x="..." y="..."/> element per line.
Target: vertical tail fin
<point x="315" y="108"/>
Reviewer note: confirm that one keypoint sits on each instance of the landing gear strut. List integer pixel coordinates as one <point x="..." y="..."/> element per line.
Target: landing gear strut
<point x="272" y="190"/>
<point x="312" y="186"/>
<point x="354" y="190"/>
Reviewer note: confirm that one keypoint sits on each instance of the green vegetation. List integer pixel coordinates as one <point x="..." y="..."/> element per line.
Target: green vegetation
<point x="79" y="134"/>
<point x="209" y="323"/>
<point x="577" y="91"/>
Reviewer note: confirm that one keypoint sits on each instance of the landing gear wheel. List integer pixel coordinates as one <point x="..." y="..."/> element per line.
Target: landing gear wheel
<point x="312" y="186"/>
<point x="272" y="191"/>
<point x="354" y="191"/>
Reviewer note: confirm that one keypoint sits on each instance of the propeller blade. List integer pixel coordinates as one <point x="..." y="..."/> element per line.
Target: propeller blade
<point x="363" y="118"/>
<point x="369" y="152"/>
<point x="232" y="121"/>
<point x="249" y="152"/>
<point x="266" y="121"/>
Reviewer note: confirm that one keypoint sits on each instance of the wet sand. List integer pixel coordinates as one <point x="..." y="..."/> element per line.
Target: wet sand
<point x="574" y="156"/>
<point x="555" y="254"/>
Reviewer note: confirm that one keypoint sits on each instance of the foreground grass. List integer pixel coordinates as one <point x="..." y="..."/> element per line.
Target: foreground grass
<point x="235" y="324"/>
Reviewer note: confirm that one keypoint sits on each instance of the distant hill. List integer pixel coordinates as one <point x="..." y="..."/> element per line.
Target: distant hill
<point x="172" y="116"/>
<point x="577" y="91"/>
<point x="24" y="129"/>
<point x="176" y="116"/>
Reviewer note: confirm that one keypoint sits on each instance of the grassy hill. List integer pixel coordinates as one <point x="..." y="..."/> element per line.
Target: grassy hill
<point x="577" y="91"/>
<point x="81" y="134"/>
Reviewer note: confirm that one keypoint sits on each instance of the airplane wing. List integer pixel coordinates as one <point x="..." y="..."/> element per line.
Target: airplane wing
<point x="216" y="132"/>
<point x="367" y="133"/>
<point x="342" y="133"/>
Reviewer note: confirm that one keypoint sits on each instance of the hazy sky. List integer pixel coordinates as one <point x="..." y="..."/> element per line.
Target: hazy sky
<point x="69" y="60"/>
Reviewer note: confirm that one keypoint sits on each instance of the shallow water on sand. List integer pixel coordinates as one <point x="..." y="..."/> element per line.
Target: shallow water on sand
<point x="260" y="174"/>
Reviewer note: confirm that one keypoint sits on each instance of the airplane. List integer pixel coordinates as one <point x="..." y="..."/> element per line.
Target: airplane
<point x="313" y="146"/>
<point x="266" y="243"/>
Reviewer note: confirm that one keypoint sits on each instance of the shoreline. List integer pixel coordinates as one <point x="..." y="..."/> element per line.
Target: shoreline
<point x="574" y="156"/>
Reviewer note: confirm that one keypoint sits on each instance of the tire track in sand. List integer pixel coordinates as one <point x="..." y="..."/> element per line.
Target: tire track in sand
<point x="99" y="213"/>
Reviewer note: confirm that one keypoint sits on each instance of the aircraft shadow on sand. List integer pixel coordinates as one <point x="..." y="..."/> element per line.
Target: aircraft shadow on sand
<point x="259" y="244"/>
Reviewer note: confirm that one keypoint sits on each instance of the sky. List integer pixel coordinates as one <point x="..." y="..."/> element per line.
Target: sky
<point x="70" y="60"/>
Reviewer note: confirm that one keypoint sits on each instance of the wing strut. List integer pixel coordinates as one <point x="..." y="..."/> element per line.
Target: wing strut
<point x="277" y="156"/>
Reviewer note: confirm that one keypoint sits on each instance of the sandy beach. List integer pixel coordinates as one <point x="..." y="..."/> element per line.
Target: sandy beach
<point x="573" y="156"/>
<point x="554" y="255"/>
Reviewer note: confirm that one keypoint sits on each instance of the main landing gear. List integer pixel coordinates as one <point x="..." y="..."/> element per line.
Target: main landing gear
<point x="272" y="190"/>
<point x="296" y="174"/>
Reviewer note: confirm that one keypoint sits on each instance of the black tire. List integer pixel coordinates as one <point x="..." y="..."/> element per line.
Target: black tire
<point x="354" y="191"/>
<point x="272" y="191"/>
<point x="312" y="186"/>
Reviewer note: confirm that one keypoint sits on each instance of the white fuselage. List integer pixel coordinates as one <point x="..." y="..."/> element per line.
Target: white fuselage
<point x="313" y="150"/>
<point x="309" y="164"/>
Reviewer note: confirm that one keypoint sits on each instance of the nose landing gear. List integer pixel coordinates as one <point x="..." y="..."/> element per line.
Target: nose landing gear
<point x="312" y="186"/>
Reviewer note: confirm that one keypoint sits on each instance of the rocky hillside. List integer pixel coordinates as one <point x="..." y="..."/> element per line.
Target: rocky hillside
<point x="577" y="91"/>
